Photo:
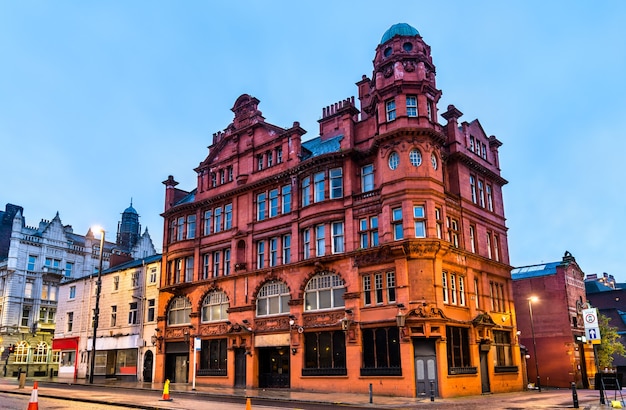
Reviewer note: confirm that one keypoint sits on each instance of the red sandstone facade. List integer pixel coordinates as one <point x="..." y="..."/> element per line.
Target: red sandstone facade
<point x="562" y="354"/>
<point x="375" y="253"/>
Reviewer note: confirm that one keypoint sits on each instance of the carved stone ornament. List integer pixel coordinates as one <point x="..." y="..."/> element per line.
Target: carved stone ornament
<point x="427" y="311"/>
<point x="409" y="66"/>
<point x="213" y="330"/>
<point x="421" y="249"/>
<point x="367" y="258"/>
<point x="323" y="319"/>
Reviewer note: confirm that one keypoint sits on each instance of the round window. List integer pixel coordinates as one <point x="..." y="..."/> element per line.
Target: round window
<point x="407" y="46"/>
<point x="394" y="160"/>
<point x="387" y="52"/>
<point x="433" y="160"/>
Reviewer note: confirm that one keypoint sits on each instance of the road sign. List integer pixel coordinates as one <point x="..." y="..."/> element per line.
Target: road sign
<point x="197" y="343"/>
<point x="590" y="317"/>
<point x="593" y="335"/>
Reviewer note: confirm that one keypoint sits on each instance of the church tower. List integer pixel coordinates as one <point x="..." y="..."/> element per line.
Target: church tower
<point x="128" y="229"/>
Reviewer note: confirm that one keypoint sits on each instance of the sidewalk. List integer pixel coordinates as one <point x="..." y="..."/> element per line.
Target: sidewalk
<point x="547" y="399"/>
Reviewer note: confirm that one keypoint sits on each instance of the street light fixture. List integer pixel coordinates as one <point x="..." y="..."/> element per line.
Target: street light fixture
<point x="96" y="311"/>
<point x="532" y="300"/>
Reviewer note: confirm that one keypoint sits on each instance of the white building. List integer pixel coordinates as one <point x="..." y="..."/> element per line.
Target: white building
<point x="34" y="262"/>
<point x="125" y="345"/>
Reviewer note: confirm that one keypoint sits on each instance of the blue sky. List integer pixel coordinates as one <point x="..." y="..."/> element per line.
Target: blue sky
<point x="101" y="101"/>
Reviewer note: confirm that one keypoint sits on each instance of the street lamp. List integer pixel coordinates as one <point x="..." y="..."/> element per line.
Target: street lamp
<point x="96" y="311"/>
<point x="531" y="300"/>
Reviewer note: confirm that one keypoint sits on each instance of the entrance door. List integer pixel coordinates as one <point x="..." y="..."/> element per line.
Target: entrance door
<point x="240" y="367"/>
<point x="147" y="367"/>
<point x="484" y="373"/>
<point x="182" y="371"/>
<point x="274" y="367"/>
<point x="425" y="367"/>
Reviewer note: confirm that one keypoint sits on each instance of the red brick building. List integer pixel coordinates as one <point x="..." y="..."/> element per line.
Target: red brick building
<point x="374" y="253"/>
<point x="562" y="355"/>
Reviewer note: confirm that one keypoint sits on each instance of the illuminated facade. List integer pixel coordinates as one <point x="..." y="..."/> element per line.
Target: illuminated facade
<point x="375" y="252"/>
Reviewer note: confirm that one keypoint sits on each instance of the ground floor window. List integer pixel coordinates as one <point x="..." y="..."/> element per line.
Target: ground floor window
<point x="504" y="355"/>
<point x="458" y="350"/>
<point x="381" y="352"/>
<point x="213" y="357"/>
<point x="126" y="361"/>
<point x="325" y="354"/>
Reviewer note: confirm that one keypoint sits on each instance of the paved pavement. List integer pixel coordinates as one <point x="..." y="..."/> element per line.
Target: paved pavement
<point x="128" y="393"/>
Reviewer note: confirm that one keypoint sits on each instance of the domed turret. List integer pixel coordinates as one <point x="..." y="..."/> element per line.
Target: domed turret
<point x="400" y="29"/>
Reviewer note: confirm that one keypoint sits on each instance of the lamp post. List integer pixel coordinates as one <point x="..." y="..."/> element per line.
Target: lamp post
<point x="532" y="330"/>
<point x="96" y="311"/>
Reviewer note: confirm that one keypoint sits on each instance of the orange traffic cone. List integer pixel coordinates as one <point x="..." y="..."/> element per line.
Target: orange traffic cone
<point x="166" y="391"/>
<point x="32" y="403"/>
<point x="248" y="404"/>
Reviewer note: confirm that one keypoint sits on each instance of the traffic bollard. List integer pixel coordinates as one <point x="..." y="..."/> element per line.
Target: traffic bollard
<point x="371" y="394"/>
<point x="574" y="395"/>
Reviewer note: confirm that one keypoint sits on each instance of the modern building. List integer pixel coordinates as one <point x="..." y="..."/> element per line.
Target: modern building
<point x="549" y="298"/>
<point x="34" y="262"/>
<point x="125" y="341"/>
<point x="609" y="297"/>
<point x="372" y="254"/>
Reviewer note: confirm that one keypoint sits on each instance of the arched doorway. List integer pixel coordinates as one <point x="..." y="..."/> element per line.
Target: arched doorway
<point x="148" y="361"/>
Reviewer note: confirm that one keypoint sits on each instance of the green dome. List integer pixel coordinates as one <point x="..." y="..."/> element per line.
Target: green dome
<point x="400" y="29"/>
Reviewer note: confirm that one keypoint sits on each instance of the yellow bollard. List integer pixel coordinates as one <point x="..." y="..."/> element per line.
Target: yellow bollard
<point x="248" y="404"/>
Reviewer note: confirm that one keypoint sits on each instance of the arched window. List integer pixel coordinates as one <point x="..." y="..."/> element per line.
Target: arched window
<point x="273" y="299"/>
<point x="21" y="352"/>
<point x="324" y="291"/>
<point x="179" y="311"/>
<point x="40" y="353"/>
<point x="214" y="307"/>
